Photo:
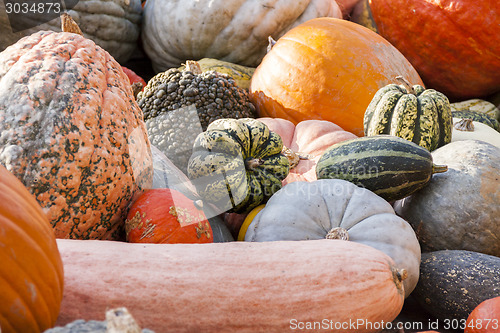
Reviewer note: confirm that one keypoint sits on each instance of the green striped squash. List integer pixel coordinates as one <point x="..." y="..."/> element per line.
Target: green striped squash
<point x="237" y="164"/>
<point x="419" y="115"/>
<point x="387" y="165"/>
<point x="477" y="116"/>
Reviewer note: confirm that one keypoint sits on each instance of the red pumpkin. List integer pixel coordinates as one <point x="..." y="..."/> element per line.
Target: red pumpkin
<point x="457" y="53"/>
<point x="133" y="77"/>
<point x="485" y="318"/>
<point x="31" y="270"/>
<point x="167" y="216"/>
<point x="327" y="69"/>
<point x="309" y="139"/>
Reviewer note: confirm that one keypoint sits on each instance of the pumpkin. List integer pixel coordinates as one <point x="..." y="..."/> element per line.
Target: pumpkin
<point x="484" y="318"/>
<point x="305" y="143"/>
<point x="167" y="175"/>
<point x="413" y="113"/>
<point x="454" y="282"/>
<point x="237" y="164"/>
<point x="133" y="77"/>
<point x="327" y="69"/>
<point x="236" y="31"/>
<point x="112" y="24"/>
<point x="451" y="54"/>
<point x="31" y="283"/>
<point x="231" y="287"/>
<point x="477" y="105"/>
<point x="337" y="209"/>
<point x="463" y="200"/>
<point x="467" y="129"/>
<point x="167" y="216"/>
<point x="72" y="132"/>
<point x="390" y="166"/>
<point x="479" y="117"/>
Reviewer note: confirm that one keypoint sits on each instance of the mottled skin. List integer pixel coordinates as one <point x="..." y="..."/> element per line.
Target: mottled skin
<point x="72" y="132"/>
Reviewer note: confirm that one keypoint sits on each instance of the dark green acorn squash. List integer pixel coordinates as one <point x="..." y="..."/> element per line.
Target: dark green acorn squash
<point x="388" y="165"/>
<point x="413" y="113"/>
<point x="453" y="282"/>
<point x="237" y="164"/>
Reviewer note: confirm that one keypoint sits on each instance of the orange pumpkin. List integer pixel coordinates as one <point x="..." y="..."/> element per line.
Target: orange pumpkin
<point x="72" y="132"/>
<point x="31" y="269"/>
<point x="485" y="318"/>
<point x="458" y="51"/>
<point x="327" y="69"/>
<point x="308" y="139"/>
<point x="167" y="216"/>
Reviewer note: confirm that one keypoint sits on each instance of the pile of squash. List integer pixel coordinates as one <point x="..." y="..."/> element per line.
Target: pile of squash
<point x="350" y="167"/>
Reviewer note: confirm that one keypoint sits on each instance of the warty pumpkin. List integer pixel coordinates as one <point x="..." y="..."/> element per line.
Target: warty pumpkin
<point x="236" y="31"/>
<point x="337" y="209"/>
<point x="327" y="69"/>
<point x="305" y="143"/>
<point x="112" y="24"/>
<point x="167" y="216"/>
<point x="237" y="164"/>
<point x="419" y="115"/>
<point x="72" y="132"/>
<point x="31" y="273"/>
<point x="456" y="53"/>
<point x="231" y="287"/>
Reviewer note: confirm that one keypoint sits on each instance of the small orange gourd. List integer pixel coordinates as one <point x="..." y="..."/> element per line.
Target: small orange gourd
<point x="165" y="215"/>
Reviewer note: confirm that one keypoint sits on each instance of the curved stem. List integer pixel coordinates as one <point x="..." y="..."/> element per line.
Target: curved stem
<point x="69" y="25"/>
<point x="338" y="233"/>
<point x="406" y="85"/>
<point x="465" y="125"/>
<point x="253" y="163"/>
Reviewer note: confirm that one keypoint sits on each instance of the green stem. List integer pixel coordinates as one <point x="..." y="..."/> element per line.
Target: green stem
<point x="439" y="168"/>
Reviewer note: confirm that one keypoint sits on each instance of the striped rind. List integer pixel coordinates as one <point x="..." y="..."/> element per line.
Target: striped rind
<point x="390" y="166"/>
<point x="477" y="116"/>
<point x="423" y="117"/>
<point x="218" y="168"/>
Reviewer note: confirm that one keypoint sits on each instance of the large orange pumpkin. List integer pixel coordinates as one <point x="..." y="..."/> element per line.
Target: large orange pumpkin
<point x="485" y="318"/>
<point x="31" y="269"/>
<point x="72" y="132"/>
<point x="328" y="69"/>
<point x="453" y="44"/>
<point x="308" y="140"/>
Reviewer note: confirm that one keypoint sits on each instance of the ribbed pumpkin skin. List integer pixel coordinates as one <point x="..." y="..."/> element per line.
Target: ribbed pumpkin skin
<point x="112" y="24"/>
<point x="236" y="31"/>
<point x="72" y="132"/>
<point x="457" y="52"/>
<point x="31" y="273"/>
<point x="388" y="165"/>
<point x="423" y="117"/>
<point x="220" y="164"/>
<point x="327" y="69"/>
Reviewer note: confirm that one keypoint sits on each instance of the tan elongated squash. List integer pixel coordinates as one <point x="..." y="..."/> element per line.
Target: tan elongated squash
<point x="232" y="287"/>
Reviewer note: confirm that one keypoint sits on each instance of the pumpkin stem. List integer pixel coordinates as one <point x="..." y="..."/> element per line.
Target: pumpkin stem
<point x="69" y="25"/>
<point x="439" y="168"/>
<point x="406" y="85"/>
<point x="194" y="67"/>
<point x="338" y="233"/>
<point x="465" y="125"/>
<point x="293" y="157"/>
<point x="253" y="163"/>
<point x="398" y="276"/>
<point x="271" y="43"/>
<point x="120" y="320"/>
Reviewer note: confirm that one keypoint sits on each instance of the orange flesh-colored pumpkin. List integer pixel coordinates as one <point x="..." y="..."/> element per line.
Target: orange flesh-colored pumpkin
<point x="72" y="132"/>
<point x="230" y="287"/>
<point x="485" y="318"/>
<point x="327" y="69"/>
<point x="31" y="270"/>
<point x="310" y="138"/>
<point x="166" y="216"/>
<point x="453" y="44"/>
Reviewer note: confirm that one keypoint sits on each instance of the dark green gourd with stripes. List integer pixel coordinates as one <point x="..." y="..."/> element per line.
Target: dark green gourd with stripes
<point x="388" y="165"/>
<point x="237" y="164"/>
<point x="419" y="115"/>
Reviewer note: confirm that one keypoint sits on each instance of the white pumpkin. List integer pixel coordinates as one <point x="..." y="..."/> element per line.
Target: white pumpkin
<point x="466" y="129"/>
<point x="322" y="208"/>
<point x="236" y="31"/>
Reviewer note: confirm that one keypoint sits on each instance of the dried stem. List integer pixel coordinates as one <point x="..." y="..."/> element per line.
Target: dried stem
<point x="69" y="25"/>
